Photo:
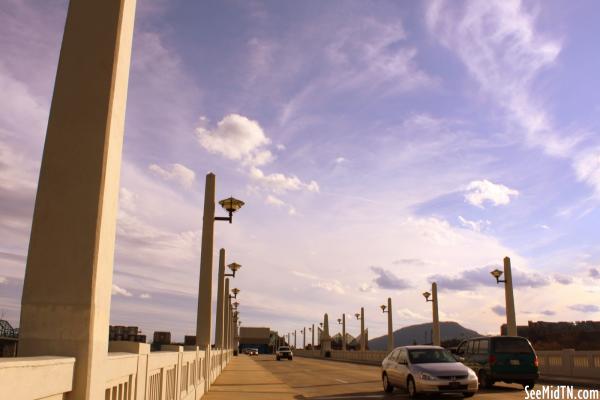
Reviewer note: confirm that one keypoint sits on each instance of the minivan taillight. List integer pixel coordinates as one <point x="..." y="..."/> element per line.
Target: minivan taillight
<point x="536" y="362"/>
<point x="492" y="359"/>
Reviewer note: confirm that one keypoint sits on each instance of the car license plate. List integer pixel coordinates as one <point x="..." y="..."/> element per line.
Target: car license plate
<point x="515" y="362"/>
<point x="454" y="384"/>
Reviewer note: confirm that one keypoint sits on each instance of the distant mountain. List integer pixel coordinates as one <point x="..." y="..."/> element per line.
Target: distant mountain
<point x="421" y="334"/>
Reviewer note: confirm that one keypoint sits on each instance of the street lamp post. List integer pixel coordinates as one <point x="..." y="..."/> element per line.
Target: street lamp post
<point x="435" y="331"/>
<point x="361" y="317"/>
<point x="220" y="322"/>
<point x="388" y="310"/>
<point x="342" y="321"/>
<point x="511" y="321"/>
<point x="312" y="340"/>
<point x="304" y="338"/>
<point x="231" y="205"/>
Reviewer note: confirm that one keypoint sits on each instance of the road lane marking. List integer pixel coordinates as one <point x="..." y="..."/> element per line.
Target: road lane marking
<point x="341" y="380"/>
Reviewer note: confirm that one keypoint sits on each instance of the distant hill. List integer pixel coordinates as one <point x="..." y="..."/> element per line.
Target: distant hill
<point x="421" y="334"/>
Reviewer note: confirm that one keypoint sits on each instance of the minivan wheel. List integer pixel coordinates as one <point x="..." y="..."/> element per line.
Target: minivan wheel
<point x="412" y="389"/>
<point x="530" y="384"/>
<point x="484" y="380"/>
<point x="387" y="386"/>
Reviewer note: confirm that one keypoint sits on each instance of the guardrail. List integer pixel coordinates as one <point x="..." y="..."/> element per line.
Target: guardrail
<point x="132" y="372"/>
<point x="566" y="363"/>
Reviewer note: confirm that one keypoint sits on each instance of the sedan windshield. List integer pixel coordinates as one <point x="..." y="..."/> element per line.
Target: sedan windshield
<point x="284" y="349"/>
<point x="428" y="356"/>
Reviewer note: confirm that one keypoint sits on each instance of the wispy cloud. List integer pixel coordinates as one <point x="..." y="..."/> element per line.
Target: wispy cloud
<point x="585" y="308"/>
<point x="119" y="291"/>
<point x="499" y="310"/>
<point x="477" y="226"/>
<point x="175" y="172"/>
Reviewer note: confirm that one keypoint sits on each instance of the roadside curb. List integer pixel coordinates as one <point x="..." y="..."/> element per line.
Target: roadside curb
<point x="564" y="380"/>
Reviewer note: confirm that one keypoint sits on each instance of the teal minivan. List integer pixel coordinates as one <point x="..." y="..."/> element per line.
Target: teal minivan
<point x="509" y="359"/>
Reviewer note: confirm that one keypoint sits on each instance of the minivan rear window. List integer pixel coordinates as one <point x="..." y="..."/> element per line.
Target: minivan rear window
<point x="512" y="345"/>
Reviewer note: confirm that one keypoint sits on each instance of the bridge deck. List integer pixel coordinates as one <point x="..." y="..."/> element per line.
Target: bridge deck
<point x="304" y="378"/>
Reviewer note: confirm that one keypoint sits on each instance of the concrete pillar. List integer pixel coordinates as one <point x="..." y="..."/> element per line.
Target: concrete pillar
<point x="390" y="339"/>
<point x="312" y="340"/>
<point x="65" y="305"/>
<point x="344" y="332"/>
<point x="226" y="325"/>
<point x="295" y="339"/>
<point x="220" y="301"/>
<point x="204" y="318"/>
<point x="325" y="337"/>
<point x="304" y="338"/>
<point x="511" y="321"/>
<point x="435" y="332"/>
<point x="362" y="329"/>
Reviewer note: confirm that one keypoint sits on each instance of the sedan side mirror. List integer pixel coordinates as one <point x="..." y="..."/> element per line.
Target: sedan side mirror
<point x="459" y="358"/>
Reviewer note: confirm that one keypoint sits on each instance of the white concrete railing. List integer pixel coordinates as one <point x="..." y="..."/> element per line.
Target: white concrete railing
<point x="561" y="363"/>
<point x="25" y="378"/>
<point x="132" y="372"/>
<point x="570" y="363"/>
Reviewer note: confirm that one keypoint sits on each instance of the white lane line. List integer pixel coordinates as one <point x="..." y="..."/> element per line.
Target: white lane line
<point x="341" y="380"/>
<point x="372" y="396"/>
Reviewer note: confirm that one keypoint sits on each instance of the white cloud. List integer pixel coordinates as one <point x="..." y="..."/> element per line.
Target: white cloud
<point x="237" y="138"/>
<point x="340" y="160"/>
<point x="3" y="279"/>
<point x="410" y="316"/>
<point x="479" y="192"/>
<point x="145" y="296"/>
<point x="280" y="183"/>
<point x="175" y="172"/>
<point x="476" y="226"/>
<point x="119" y="291"/>
<point x="587" y="168"/>
<point x="366" y="287"/>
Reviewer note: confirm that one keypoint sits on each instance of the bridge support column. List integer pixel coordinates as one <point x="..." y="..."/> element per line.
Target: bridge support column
<point x="65" y="306"/>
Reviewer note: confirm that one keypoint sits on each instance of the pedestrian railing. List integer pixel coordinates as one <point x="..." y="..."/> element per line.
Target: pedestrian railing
<point x="132" y="372"/>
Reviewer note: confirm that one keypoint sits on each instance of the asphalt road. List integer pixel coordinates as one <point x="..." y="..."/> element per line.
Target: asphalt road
<point x="330" y="380"/>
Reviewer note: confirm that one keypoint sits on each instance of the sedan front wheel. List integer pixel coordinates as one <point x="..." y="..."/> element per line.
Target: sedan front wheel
<point x="387" y="386"/>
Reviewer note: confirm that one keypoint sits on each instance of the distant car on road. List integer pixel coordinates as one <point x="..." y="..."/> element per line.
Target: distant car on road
<point x="509" y="359"/>
<point x="252" y="352"/>
<point x="427" y="370"/>
<point x="284" y="352"/>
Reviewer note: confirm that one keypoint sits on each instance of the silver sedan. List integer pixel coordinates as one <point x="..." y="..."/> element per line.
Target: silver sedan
<point x="427" y="369"/>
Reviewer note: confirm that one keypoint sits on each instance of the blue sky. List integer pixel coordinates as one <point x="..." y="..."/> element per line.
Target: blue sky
<point x="378" y="146"/>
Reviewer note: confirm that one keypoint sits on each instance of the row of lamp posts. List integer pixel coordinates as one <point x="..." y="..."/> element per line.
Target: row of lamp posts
<point x="433" y="298"/>
<point x="227" y="316"/>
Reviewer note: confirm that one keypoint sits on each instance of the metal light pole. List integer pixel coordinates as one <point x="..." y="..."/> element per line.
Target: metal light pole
<point x="390" y="339"/>
<point x="435" y="331"/>
<point x="312" y="341"/>
<point x="511" y="321"/>
<point x="361" y="317"/>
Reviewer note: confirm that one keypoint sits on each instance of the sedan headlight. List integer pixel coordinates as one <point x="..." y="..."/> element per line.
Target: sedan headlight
<point x="472" y="374"/>
<point x="426" y="377"/>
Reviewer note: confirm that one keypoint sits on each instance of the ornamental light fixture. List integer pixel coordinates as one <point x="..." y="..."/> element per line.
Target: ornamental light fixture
<point x="235" y="292"/>
<point x="497" y="274"/>
<point x="233" y="267"/>
<point x="427" y="295"/>
<point x="230" y="205"/>
<point x="383" y="307"/>
<point x="357" y="315"/>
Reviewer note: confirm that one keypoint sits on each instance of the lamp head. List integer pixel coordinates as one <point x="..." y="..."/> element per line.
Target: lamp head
<point x="231" y="204"/>
<point x="357" y="315"/>
<point x="339" y="320"/>
<point x="383" y="307"/>
<point x="234" y="267"/>
<point x="496" y="273"/>
<point x="236" y="304"/>
<point x="426" y="295"/>
<point x="235" y="291"/>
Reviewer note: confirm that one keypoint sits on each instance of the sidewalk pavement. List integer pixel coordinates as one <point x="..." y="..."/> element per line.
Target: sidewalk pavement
<point x="245" y="379"/>
<point x="560" y="380"/>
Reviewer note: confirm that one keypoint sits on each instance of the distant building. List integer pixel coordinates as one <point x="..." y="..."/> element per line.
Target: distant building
<point x="579" y="335"/>
<point x="125" y="333"/>
<point x="255" y="337"/>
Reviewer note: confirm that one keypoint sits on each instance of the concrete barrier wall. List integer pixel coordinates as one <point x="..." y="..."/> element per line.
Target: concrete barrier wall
<point x="132" y="372"/>
<point x="561" y="363"/>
